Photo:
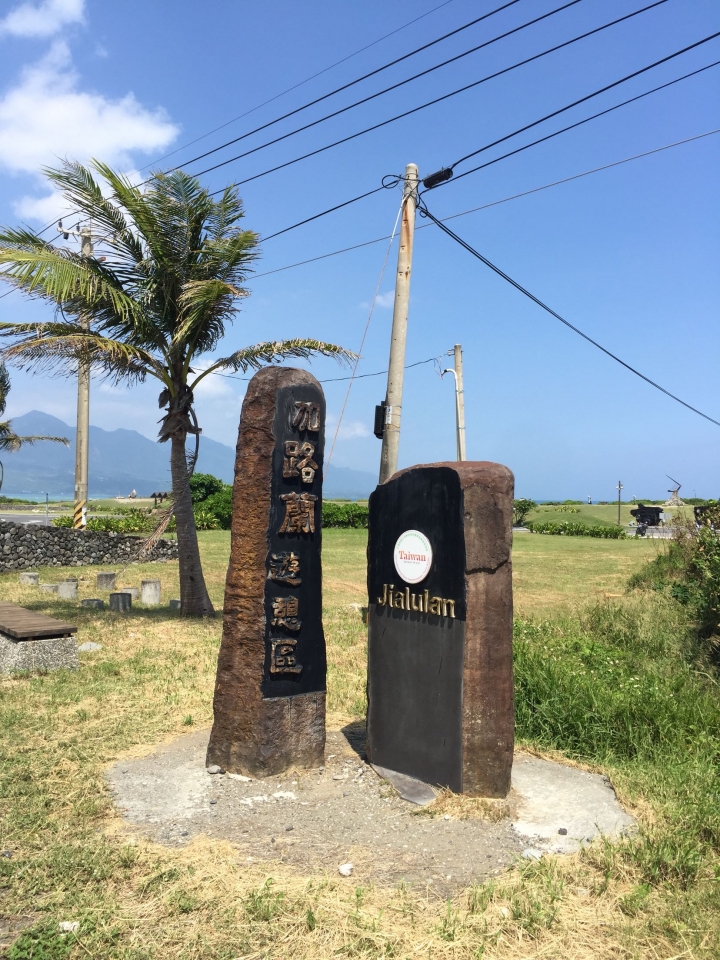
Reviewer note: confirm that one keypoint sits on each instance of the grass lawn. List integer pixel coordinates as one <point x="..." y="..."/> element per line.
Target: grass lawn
<point x="611" y="685"/>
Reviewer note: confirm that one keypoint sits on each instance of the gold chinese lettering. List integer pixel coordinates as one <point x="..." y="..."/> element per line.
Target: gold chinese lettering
<point x="299" y="513"/>
<point x="285" y="568"/>
<point x="307" y="416"/>
<point x="299" y="461"/>
<point x="285" y="611"/>
<point x="282" y="656"/>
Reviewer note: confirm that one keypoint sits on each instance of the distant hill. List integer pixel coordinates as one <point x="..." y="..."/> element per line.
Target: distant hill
<point x="125" y="460"/>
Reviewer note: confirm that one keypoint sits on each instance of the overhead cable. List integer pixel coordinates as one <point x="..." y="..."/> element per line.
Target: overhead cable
<point x="352" y="83"/>
<point x="572" y="126"/>
<point x="358" y="376"/>
<point x="463" y="89"/>
<point x="301" y="83"/>
<point x="422" y="207"/>
<point x="394" y="86"/>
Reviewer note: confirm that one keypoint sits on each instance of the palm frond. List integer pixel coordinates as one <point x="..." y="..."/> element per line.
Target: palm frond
<point x="11" y="442"/>
<point x="58" y="348"/>
<point x="262" y="354"/>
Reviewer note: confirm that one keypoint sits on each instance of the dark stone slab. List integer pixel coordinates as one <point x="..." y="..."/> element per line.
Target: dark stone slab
<point x="269" y="703"/>
<point x="440" y="686"/>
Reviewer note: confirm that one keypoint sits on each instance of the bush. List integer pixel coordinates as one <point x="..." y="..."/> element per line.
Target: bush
<point x="689" y="571"/>
<point x="521" y="510"/>
<point x="616" y="685"/>
<point x="204" y="485"/>
<point x="573" y="528"/>
<point x="132" y="521"/>
<point x="220" y="506"/>
<point x="205" y="519"/>
<point x="353" y="515"/>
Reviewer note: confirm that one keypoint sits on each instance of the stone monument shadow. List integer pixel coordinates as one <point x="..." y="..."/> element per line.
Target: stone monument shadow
<point x="355" y="734"/>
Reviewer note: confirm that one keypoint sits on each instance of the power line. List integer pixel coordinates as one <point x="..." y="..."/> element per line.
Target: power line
<point x="394" y="86"/>
<point x="493" y="203"/>
<point x="295" y="86"/>
<point x="589" y="96"/>
<point x="353" y="83"/>
<point x="501" y="273"/>
<point x="454" y="93"/>
<point x="359" y="376"/>
<point x="572" y="126"/>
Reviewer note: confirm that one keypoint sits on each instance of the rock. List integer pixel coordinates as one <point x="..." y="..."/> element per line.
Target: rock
<point x="446" y="817"/>
<point x="563" y="831"/>
<point x="214" y="768"/>
<point x="289" y="828"/>
<point x="69" y="926"/>
<point x="345" y="869"/>
<point x="174" y="604"/>
<point x="93" y="604"/>
<point x="213" y="801"/>
<point x="89" y="647"/>
<point x="241" y="777"/>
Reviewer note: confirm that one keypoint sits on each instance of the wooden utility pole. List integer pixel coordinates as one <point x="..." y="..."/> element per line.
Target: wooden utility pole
<point x="82" y="431"/>
<point x="396" y="367"/>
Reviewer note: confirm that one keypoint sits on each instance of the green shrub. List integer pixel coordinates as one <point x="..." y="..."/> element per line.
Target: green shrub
<point x="204" y="485"/>
<point x="344" y="514"/>
<point x="220" y="505"/>
<point x="132" y="521"/>
<point x="689" y="570"/>
<point x="205" y="519"/>
<point x="521" y="510"/>
<point x="574" y="528"/>
<point x="616" y="685"/>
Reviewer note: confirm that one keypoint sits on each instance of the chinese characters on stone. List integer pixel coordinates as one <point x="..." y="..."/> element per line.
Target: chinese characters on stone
<point x="299" y="519"/>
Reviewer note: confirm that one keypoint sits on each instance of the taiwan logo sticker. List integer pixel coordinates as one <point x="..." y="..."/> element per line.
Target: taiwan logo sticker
<point x="413" y="556"/>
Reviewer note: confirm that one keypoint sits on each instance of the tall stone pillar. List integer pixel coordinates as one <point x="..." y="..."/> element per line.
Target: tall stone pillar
<point x="440" y="676"/>
<point x="269" y="703"/>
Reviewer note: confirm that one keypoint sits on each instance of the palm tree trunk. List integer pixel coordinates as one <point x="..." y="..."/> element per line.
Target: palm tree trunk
<point x="194" y="599"/>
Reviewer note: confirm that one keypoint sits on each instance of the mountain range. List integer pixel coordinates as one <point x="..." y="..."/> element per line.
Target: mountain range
<point x="124" y="460"/>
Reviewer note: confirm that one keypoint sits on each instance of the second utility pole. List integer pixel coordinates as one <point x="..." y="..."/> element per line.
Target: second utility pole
<point x="82" y="432"/>
<point x="396" y="367"/>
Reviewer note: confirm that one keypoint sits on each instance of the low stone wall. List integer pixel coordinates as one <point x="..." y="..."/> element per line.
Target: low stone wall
<point x="27" y="546"/>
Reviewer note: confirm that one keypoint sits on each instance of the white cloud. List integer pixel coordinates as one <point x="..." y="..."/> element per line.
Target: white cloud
<point x="382" y="300"/>
<point x="46" y="116"/>
<point x="385" y="299"/>
<point x="349" y="429"/>
<point x="42" y="20"/>
<point x="213" y="386"/>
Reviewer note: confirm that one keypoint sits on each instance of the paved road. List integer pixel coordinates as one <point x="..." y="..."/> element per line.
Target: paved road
<point x="38" y="518"/>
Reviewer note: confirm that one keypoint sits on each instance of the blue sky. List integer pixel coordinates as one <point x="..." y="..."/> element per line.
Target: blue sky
<point x="629" y="255"/>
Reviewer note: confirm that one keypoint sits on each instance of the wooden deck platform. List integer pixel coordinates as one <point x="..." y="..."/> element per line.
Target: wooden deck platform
<point x="22" y="624"/>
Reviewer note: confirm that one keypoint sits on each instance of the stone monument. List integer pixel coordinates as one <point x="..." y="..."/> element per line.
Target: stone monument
<point x="269" y="703"/>
<point x="440" y="681"/>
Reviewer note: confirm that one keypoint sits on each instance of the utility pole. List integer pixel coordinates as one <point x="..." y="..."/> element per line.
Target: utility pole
<point x="82" y="431"/>
<point x="619" y="489"/>
<point x="459" y="401"/>
<point x="396" y="367"/>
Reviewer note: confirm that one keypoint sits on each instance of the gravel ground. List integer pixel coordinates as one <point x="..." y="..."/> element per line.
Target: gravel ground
<point x="344" y="813"/>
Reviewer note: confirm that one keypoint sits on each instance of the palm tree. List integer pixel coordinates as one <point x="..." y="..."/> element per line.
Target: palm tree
<point x="159" y="298"/>
<point x="9" y="440"/>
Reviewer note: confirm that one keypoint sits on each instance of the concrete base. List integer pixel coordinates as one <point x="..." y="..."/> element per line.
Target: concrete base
<point x="37" y="656"/>
<point x="68" y="590"/>
<point x="29" y="578"/>
<point x="106" y="581"/>
<point x="556" y="797"/>
<point x="121" y="602"/>
<point x="174" y="604"/>
<point x="133" y="591"/>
